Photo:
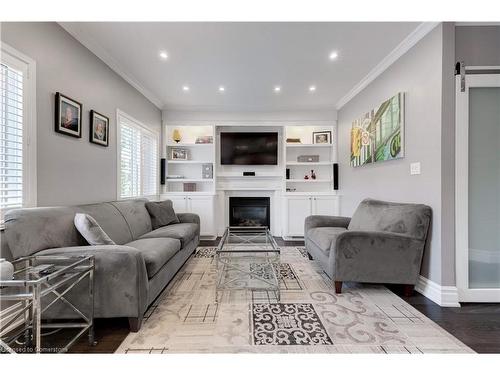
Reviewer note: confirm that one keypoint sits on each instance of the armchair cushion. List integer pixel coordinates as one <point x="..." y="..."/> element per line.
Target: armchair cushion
<point x="405" y="218"/>
<point x="325" y="237"/>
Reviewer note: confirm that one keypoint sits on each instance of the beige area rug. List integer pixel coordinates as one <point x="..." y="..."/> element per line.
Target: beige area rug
<point x="309" y="318"/>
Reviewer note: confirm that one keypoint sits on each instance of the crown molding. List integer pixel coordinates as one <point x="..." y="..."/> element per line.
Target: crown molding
<point x="413" y="38"/>
<point x="89" y="43"/>
<point x="463" y="24"/>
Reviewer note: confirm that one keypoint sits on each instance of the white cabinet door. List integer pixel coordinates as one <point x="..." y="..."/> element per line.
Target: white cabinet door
<point x="179" y="203"/>
<point x="203" y="206"/>
<point x="325" y="205"/>
<point x="297" y="209"/>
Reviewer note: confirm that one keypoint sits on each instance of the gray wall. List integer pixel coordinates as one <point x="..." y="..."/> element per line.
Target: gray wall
<point x="448" y="157"/>
<point x="419" y="74"/>
<point x="71" y="170"/>
<point x="478" y="45"/>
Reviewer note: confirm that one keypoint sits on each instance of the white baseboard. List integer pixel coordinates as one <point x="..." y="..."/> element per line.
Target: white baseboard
<point x="445" y="296"/>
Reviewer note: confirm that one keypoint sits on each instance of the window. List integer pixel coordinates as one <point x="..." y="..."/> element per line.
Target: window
<point x="137" y="159"/>
<point x="17" y="131"/>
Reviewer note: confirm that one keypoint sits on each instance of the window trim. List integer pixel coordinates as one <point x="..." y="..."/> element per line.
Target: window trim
<point x="18" y="60"/>
<point x="142" y="126"/>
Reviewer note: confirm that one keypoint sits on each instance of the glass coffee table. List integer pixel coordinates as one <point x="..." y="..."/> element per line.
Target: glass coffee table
<point x="247" y="258"/>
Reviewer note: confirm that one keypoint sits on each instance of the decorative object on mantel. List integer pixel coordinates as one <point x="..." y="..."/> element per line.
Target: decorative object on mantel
<point x="291" y="190"/>
<point x="176" y="136"/>
<point x="365" y="147"/>
<point x="322" y="137"/>
<point x="189" y="186"/>
<point x="306" y="177"/>
<point x="207" y="171"/>
<point x="174" y="177"/>
<point x="313" y="175"/>
<point x="308" y="158"/>
<point x="6" y="270"/>
<point x="99" y="129"/>
<point x="179" y="154"/>
<point x="68" y="116"/>
<point x="205" y="139"/>
<point x="293" y="140"/>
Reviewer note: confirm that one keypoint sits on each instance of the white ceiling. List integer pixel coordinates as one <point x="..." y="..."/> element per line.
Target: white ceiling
<point x="248" y="59"/>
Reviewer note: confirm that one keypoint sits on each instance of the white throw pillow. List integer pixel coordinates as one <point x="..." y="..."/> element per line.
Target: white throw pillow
<point x="91" y="231"/>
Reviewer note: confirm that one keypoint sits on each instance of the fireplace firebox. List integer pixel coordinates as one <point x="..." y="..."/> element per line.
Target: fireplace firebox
<point x="249" y="211"/>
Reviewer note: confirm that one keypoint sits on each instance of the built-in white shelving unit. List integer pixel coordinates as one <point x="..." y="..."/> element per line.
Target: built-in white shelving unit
<point x="197" y="154"/>
<point x="292" y="199"/>
<point x="324" y="153"/>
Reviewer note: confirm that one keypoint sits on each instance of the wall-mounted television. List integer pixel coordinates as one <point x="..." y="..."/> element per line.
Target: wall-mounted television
<point x="257" y="148"/>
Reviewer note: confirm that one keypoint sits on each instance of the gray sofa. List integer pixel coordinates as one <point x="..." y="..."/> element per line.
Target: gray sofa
<point x="383" y="242"/>
<point x="129" y="275"/>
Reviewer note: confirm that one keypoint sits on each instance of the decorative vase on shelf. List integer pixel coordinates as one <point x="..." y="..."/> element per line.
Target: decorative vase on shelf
<point x="6" y="270"/>
<point x="313" y="175"/>
<point x="176" y="136"/>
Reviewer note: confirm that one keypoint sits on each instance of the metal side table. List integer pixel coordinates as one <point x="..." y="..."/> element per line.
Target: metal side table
<point x="39" y="282"/>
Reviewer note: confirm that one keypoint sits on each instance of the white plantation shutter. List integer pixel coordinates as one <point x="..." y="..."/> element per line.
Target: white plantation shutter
<point x="138" y="155"/>
<point x="149" y="146"/>
<point x="11" y="137"/>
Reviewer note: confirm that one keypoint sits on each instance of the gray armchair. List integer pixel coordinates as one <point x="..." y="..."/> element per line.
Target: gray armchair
<point x="382" y="243"/>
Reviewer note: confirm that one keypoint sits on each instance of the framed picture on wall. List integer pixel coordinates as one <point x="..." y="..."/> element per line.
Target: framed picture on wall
<point x="322" y="137"/>
<point x="68" y="116"/>
<point x="99" y="129"/>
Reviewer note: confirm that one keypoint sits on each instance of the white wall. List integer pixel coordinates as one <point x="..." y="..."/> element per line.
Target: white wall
<point x="71" y="170"/>
<point x="418" y="73"/>
<point x="172" y="115"/>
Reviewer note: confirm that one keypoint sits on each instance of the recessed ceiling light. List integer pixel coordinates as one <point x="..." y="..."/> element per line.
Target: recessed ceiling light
<point x="334" y="55"/>
<point x="222" y="88"/>
<point x="163" y="55"/>
<point x="185" y="88"/>
<point x="312" y="88"/>
<point x="277" y="89"/>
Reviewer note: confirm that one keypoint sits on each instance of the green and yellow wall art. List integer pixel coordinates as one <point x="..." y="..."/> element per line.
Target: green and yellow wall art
<point x="379" y="134"/>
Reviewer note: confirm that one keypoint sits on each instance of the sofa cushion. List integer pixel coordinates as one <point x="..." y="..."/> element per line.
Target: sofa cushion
<point x="156" y="252"/>
<point x="28" y="230"/>
<point x="404" y="218"/>
<point x="90" y="229"/>
<point x="184" y="232"/>
<point x="325" y="237"/>
<point x="135" y="214"/>
<point x="162" y="213"/>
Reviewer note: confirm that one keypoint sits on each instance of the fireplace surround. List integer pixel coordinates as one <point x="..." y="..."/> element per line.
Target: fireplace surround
<point x="249" y="211"/>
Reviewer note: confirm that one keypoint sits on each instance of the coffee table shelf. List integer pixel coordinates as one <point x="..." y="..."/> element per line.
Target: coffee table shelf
<point x="247" y="258"/>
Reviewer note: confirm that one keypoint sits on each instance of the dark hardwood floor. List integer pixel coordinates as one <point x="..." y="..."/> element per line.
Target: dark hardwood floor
<point x="475" y="324"/>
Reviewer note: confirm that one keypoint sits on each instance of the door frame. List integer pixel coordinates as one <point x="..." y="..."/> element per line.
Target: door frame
<point x="465" y="294"/>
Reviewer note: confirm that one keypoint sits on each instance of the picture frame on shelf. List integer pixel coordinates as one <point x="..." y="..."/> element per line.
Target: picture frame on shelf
<point x="179" y="154"/>
<point x="68" y="116"/>
<point x="204" y="139"/>
<point x="99" y="129"/>
<point x="323" y="137"/>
